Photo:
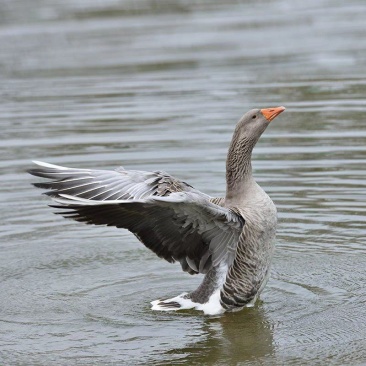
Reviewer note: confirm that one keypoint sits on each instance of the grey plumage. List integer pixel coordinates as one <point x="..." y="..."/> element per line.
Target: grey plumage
<point x="159" y="209"/>
<point x="229" y="239"/>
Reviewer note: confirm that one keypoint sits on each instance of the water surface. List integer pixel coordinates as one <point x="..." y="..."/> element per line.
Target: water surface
<point x="160" y="85"/>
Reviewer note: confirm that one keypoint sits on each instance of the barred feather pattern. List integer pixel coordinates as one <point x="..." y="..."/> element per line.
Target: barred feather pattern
<point x="238" y="163"/>
<point x="249" y="272"/>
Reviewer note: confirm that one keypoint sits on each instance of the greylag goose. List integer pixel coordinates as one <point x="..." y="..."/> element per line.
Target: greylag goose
<point x="230" y="239"/>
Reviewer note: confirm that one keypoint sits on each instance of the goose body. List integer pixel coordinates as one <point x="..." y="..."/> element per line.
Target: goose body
<point x="230" y="239"/>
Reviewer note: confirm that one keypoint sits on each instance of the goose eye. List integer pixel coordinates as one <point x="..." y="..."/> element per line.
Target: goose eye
<point x="254" y="117"/>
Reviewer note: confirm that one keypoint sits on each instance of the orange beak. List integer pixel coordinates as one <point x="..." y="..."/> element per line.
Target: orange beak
<point x="272" y="113"/>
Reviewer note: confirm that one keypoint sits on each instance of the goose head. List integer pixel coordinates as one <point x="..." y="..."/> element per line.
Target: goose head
<point x="253" y="123"/>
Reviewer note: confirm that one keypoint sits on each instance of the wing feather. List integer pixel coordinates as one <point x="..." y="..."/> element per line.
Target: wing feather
<point x="174" y="220"/>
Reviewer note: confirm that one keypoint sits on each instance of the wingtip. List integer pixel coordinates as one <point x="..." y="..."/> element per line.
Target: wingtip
<point x="37" y="162"/>
<point x="48" y="165"/>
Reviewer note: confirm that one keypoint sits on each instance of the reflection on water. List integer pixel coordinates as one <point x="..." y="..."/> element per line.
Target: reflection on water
<point x="243" y="337"/>
<point x="159" y="85"/>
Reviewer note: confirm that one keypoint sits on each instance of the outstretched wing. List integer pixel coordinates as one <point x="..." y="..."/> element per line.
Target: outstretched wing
<point x="171" y="218"/>
<point x="105" y="185"/>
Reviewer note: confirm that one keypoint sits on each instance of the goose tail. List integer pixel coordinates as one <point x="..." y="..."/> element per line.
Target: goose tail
<point x="183" y="302"/>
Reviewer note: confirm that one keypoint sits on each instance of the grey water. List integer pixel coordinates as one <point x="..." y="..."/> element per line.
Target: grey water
<point x="160" y="85"/>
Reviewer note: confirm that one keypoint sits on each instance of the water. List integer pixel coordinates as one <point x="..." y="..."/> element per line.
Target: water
<point x="160" y="85"/>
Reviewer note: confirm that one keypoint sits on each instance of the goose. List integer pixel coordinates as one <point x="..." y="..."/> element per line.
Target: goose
<point x="230" y="240"/>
